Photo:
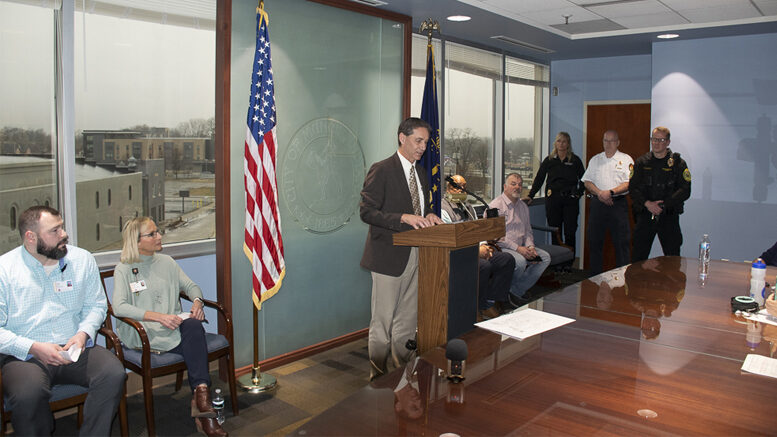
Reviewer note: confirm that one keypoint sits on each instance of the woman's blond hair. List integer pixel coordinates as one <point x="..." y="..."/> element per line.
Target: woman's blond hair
<point x="554" y="153"/>
<point x="131" y="236"/>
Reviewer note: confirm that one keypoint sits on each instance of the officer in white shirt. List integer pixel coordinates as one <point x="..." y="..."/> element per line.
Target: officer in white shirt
<point x="607" y="179"/>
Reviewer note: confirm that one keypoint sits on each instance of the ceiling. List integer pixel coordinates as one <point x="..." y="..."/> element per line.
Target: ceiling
<point x="547" y="30"/>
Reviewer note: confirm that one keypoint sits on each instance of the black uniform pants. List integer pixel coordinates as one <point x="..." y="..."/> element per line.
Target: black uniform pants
<point x="667" y="226"/>
<point x="561" y="212"/>
<point x="614" y="218"/>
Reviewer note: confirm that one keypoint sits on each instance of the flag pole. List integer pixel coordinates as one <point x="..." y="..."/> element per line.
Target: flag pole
<point x="257" y="382"/>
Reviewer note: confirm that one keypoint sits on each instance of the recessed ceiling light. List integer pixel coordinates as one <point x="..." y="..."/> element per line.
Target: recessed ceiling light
<point x="668" y="36"/>
<point x="459" y="18"/>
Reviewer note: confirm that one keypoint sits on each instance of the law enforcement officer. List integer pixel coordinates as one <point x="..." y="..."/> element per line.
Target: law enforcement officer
<point x="607" y="179"/>
<point x="659" y="186"/>
<point x="562" y="193"/>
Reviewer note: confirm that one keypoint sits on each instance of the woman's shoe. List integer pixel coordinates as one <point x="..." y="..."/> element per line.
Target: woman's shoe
<point x="210" y="427"/>
<point x="201" y="404"/>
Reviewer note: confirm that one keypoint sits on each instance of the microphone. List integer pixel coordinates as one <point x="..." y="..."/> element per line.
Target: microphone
<point x="62" y="265"/>
<point x="456" y="353"/>
<point x="490" y="212"/>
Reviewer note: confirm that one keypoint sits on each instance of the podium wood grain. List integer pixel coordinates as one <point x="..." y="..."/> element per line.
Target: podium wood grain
<point x="434" y="269"/>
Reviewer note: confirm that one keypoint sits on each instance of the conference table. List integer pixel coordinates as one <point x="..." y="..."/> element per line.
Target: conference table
<point x="652" y="351"/>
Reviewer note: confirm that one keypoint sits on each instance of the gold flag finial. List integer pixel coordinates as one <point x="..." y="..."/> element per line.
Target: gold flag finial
<point x="429" y="26"/>
<point x="260" y="7"/>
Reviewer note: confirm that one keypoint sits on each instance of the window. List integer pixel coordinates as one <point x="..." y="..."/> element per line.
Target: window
<point x="129" y="54"/>
<point x="97" y="232"/>
<point x="526" y="88"/>
<point x="28" y="162"/>
<point x="97" y="199"/>
<point x="473" y="117"/>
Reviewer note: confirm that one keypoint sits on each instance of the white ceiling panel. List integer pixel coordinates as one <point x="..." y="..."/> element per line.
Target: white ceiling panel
<point x="768" y="7"/>
<point x="519" y="7"/>
<point x="618" y="10"/>
<point x="723" y="13"/>
<point x="622" y="17"/>
<point x="678" y="5"/>
<point x="556" y="16"/>
<point x="651" y="20"/>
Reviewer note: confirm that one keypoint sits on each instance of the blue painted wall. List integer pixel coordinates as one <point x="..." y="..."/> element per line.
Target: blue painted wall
<point x="593" y="80"/>
<point x="719" y="98"/>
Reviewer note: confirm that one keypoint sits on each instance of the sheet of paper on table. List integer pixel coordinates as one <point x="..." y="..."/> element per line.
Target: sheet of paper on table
<point x="760" y="365"/>
<point x="524" y="323"/>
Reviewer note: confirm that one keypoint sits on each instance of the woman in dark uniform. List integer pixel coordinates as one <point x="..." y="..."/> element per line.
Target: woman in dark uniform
<point x="562" y="193"/>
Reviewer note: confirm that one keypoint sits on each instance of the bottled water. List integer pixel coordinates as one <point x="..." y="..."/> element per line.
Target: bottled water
<point x="704" y="257"/>
<point x="218" y="405"/>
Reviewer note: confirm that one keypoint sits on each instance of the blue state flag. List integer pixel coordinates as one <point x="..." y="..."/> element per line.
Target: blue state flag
<point x="430" y="114"/>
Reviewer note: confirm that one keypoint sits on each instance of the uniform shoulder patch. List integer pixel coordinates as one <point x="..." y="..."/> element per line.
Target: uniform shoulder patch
<point x="631" y="171"/>
<point x="687" y="175"/>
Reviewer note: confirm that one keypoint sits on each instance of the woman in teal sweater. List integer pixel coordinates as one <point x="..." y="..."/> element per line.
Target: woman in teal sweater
<point x="146" y="288"/>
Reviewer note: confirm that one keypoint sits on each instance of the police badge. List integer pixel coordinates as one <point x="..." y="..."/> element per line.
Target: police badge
<point x="670" y="161"/>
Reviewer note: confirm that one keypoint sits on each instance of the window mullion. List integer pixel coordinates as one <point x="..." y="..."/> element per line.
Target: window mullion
<point x="65" y="117"/>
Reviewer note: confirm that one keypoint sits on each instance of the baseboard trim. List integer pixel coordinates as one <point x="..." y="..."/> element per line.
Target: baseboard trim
<point x="305" y="352"/>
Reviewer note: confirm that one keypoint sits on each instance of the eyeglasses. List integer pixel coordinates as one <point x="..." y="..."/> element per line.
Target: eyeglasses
<point x="658" y="140"/>
<point x="153" y="234"/>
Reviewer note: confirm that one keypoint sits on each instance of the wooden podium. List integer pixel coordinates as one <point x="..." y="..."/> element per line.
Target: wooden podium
<point x="447" y="276"/>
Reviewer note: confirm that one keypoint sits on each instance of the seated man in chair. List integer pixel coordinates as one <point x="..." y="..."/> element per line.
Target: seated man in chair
<point x="495" y="267"/>
<point x="51" y="306"/>
<point x="518" y="241"/>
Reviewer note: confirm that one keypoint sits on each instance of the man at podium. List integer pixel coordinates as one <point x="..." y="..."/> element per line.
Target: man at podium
<point x="495" y="268"/>
<point x="518" y="241"/>
<point x="395" y="198"/>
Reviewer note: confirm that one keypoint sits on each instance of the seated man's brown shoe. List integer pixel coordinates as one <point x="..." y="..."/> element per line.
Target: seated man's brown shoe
<point x="201" y="404"/>
<point x="489" y="313"/>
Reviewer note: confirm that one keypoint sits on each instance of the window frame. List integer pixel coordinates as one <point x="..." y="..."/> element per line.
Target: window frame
<point x="64" y="22"/>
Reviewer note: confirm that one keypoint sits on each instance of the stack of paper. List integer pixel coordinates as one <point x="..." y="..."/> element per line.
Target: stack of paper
<point x="524" y="323"/>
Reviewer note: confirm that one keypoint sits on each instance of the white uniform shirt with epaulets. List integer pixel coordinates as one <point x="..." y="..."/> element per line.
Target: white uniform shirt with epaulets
<point x="607" y="173"/>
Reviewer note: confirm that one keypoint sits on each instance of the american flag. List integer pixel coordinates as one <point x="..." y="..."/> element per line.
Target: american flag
<point x="263" y="243"/>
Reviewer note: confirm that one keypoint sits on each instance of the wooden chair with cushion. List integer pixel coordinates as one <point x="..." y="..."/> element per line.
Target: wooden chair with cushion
<point x="64" y="396"/>
<point x="150" y="365"/>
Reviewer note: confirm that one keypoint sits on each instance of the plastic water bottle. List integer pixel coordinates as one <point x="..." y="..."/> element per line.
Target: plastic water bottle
<point x="218" y="405"/>
<point x="758" y="280"/>
<point x="704" y="257"/>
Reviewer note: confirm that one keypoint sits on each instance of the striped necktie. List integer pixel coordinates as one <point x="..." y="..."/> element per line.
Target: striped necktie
<point x="414" y="191"/>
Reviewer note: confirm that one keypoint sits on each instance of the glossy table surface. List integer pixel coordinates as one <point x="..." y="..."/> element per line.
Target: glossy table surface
<point x="652" y="352"/>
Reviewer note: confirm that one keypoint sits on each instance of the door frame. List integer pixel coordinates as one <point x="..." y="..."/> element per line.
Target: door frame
<point x="584" y="145"/>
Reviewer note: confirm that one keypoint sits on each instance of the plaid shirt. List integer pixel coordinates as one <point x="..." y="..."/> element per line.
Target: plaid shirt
<point x="32" y="310"/>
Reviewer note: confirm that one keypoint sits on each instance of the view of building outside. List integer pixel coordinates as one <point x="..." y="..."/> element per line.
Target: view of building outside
<point x="144" y="117"/>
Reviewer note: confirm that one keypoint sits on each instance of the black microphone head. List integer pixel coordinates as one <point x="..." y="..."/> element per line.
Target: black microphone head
<point x="453" y="183"/>
<point x="456" y="350"/>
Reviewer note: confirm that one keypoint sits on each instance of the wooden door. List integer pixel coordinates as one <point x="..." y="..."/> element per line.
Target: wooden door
<point x="632" y="121"/>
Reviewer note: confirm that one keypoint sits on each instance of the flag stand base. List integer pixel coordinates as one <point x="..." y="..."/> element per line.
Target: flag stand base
<point x="257" y="382"/>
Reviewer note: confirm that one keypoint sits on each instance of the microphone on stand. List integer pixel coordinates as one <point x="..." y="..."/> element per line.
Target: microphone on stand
<point x="456" y="353"/>
<point x="490" y="212"/>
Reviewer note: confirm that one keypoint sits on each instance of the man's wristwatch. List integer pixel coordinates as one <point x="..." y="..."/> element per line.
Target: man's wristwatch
<point x="612" y="193"/>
